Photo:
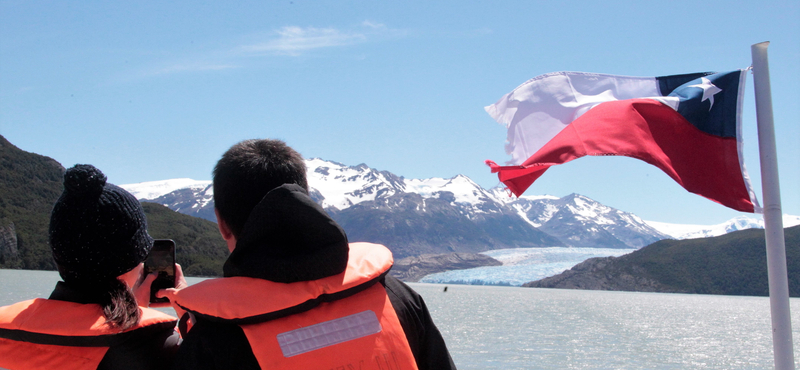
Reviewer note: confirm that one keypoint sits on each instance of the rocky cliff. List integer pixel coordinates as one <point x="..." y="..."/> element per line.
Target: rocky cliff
<point x="416" y="267"/>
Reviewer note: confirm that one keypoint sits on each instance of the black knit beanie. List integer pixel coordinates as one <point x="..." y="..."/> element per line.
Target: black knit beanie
<point x="98" y="230"/>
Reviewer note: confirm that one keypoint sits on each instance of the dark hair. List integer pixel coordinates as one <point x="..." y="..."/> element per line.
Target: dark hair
<point x="119" y="306"/>
<point x="115" y="298"/>
<point x="248" y="171"/>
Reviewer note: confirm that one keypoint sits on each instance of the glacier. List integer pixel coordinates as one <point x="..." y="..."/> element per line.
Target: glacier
<point x="682" y="231"/>
<point x="521" y="265"/>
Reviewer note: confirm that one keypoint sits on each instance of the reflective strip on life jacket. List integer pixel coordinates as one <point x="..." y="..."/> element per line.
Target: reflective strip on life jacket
<point x="243" y="300"/>
<point x="52" y="334"/>
<point x="358" y="332"/>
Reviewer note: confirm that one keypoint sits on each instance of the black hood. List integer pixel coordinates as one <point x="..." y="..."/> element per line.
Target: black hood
<point x="288" y="238"/>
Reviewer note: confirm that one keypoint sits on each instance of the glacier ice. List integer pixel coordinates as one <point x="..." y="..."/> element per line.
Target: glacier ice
<point x="521" y="265"/>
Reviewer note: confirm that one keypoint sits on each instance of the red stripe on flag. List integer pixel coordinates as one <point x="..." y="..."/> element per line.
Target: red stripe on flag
<point x="648" y="130"/>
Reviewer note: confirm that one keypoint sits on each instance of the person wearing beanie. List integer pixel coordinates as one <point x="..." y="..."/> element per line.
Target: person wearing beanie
<point x="93" y="319"/>
<point x="295" y="293"/>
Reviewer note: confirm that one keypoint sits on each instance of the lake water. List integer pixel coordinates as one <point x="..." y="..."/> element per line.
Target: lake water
<point x="523" y="328"/>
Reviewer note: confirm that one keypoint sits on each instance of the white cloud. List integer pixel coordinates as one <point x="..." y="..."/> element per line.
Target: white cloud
<point x="373" y="25"/>
<point x="289" y="40"/>
<point x="294" y="40"/>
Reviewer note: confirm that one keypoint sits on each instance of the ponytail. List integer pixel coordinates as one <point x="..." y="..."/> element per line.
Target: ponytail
<point x="119" y="306"/>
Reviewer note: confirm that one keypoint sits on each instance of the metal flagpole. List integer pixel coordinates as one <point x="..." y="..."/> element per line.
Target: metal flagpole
<point x="773" y="218"/>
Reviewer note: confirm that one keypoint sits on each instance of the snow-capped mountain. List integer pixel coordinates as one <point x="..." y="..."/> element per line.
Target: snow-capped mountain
<point x="187" y="196"/>
<point x="436" y="215"/>
<point x="582" y="222"/>
<point x="339" y="186"/>
<point x="155" y="189"/>
<point x="433" y="216"/>
<point x="678" y="231"/>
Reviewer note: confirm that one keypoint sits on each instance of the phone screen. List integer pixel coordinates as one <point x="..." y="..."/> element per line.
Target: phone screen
<point x="161" y="261"/>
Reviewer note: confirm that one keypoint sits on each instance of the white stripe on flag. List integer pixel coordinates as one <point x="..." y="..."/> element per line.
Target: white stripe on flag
<point x="540" y="108"/>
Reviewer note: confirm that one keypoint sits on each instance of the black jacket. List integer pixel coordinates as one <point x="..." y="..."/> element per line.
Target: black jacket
<point x="290" y="238"/>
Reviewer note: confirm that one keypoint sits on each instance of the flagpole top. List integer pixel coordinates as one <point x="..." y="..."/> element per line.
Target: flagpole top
<point x="760" y="45"/>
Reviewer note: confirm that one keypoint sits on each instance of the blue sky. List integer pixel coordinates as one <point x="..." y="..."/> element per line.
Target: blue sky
<point x="151" y="91"/>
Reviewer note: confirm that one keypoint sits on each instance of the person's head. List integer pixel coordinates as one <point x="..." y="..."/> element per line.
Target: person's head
<point x="247" y="172"/>
<point x="98" y="232"/>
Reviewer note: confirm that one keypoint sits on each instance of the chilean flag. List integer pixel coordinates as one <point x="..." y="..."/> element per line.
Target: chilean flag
<point x="688" y="125"/>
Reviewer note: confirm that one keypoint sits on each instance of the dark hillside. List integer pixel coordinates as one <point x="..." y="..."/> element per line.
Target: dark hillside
<point x="731" y="264"/>
<point x="200" y="250"/>
<point x="29" y="186"/>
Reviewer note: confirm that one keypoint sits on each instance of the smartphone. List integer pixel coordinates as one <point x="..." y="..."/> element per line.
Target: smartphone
<point x="161" y="261"/>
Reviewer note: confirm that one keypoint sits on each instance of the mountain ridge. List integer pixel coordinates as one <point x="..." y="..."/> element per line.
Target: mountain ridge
<point x="448" y="220"/>
<point x="436" y="215"/>
<point x="672" y="230"/>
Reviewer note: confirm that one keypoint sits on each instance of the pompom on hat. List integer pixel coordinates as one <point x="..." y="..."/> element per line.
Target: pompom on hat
<point x="98" y="230"/>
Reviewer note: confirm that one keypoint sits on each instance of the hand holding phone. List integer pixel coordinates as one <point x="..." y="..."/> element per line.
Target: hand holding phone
<point x="161" y="261"/>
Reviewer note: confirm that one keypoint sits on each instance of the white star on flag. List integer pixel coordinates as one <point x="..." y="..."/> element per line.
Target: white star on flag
<point x="709" y="90"/>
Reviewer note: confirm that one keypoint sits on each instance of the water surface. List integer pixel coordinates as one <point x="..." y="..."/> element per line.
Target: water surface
<point x="523" y="328"/>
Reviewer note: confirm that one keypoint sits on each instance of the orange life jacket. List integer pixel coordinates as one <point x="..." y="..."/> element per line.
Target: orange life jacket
<point x="345" y="321"/>
<point x="51" y="334"/>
